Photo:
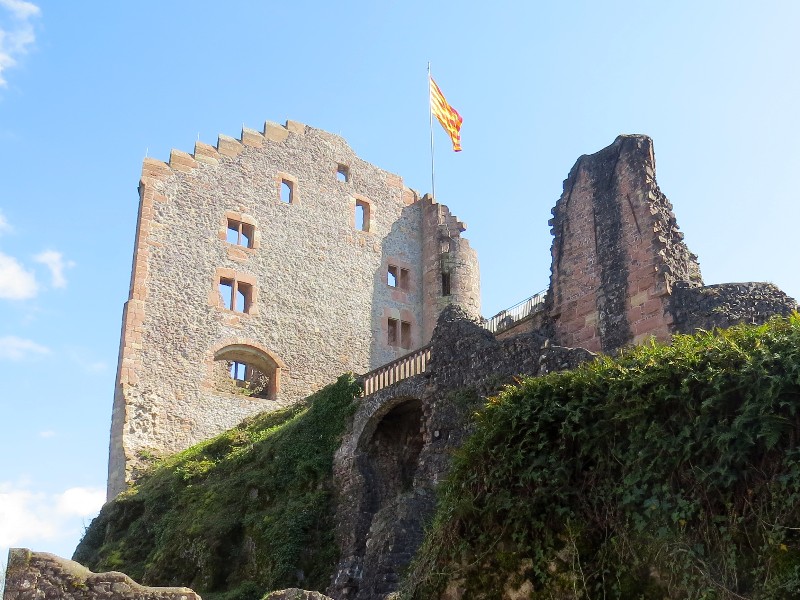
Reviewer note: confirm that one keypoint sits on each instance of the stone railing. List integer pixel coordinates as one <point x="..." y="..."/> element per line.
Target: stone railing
<point x="506" y="318"/>
<point x="411" y="364"/>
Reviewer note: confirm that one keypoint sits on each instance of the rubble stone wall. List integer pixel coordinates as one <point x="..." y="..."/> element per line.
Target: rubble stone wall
<point x="385" y="484"/>
<point x="320" y="299"/>
<point x="37" y="575"/>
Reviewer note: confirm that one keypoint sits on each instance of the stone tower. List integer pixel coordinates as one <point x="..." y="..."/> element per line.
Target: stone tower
<point x="264" y="268"/>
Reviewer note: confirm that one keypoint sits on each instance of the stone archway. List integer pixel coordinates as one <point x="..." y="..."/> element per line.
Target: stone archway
<point x="392" y="451"/>
<point x="245" y="368"/>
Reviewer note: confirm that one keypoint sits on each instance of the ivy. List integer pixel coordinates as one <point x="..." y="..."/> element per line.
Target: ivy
<point x="670" y="471"/>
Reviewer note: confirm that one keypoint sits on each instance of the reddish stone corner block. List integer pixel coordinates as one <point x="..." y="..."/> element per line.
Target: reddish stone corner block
<point x="616" y="250"/>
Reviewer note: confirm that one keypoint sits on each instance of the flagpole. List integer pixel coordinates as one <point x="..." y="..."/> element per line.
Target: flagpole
<point x="430" y="116"/>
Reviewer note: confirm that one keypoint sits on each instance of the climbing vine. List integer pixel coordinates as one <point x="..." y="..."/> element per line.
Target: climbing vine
<point x="671" y="471"/>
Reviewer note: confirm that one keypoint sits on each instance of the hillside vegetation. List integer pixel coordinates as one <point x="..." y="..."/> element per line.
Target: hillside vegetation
<point x="246" y="512"/>
<point x="670" y="472"/>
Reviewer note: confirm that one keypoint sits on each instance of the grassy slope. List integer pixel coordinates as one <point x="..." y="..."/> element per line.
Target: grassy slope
<point x="669" y="472"/>
<point x="248" y="511"/>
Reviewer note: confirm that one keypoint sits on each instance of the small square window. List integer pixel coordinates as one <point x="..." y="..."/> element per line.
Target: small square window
<point x="343" y="173"/>
<point x="240" y="234"/>
<point x="236" y="295"/>
<point x="398" y="333"/>
<point x="397" y="277"/>
<point x="238" y="371"/>
<point x="287" y="191"/>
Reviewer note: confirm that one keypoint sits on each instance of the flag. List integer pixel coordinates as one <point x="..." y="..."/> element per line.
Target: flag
<point x="446" y="115"/>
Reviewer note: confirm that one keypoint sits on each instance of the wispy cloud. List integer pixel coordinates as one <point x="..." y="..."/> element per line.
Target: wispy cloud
<point x="5" y="226"/>
<point x="15" y="282"/>
<point x="16" y="35"/>
<point x="15" y="348"/>
<point x="55" y="262"/>
<point x="84" y="359"/>
<point x="47" y="433"/>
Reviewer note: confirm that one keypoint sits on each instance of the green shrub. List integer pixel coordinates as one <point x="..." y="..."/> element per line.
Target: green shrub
<point x="672" y="471"/>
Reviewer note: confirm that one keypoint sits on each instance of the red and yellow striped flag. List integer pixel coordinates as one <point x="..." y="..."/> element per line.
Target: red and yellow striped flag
<point x="446" y="115"/>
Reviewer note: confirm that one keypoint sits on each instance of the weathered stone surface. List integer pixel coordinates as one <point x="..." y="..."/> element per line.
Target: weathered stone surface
<point x="616" y="250"/>
<point x="399" y="445"/>
<point x="727" y="304"/>
<point x="320" y="301"/>
<point x="39" y="576"/>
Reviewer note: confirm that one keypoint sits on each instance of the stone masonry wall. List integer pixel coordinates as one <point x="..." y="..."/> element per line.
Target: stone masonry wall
<point x="320" y="302"/>
<point x="727" y="304"/>
<point x="37" y="575"/>
<point x="385" y="483"/>
<point x="616" y="251"/>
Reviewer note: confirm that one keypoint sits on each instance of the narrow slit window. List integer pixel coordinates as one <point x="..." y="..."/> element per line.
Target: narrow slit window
<point x="405" y="335"/>
<point x="445" y="284"/>
<point x="391" y="276"/>
<point x="362" y="215"/>
<point x="226" y="292"/>
<point x="404" y="281"/>
<point x="392" y="332"/>
<point x="287" y="191"/>
<point x="343" y="173"/>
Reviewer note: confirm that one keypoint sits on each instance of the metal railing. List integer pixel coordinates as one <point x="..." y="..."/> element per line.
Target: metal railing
<point x="506" y="318"/>
<point x="411" y="364"/>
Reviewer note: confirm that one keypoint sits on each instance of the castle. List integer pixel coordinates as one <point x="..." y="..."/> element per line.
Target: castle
<point x="268" y="265"/>
<point x="264" y="268"/>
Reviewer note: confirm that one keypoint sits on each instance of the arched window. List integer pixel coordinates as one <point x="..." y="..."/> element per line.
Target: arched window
<point x="246" y="370"/>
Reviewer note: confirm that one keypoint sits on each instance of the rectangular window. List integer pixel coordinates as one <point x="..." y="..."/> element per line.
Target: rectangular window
<point x="287" y="191"/>
<point x="405" y="335"/>
<point x="343" y="173"/>
<point x="399" y="333"/>
<point x="362" y="215"/>
<point x="445" y="284"/>
<point x="240" y="234"/>
<point x="238" y="371"/>
<point x="236" y="295"/>
<point x="397" y="277"/>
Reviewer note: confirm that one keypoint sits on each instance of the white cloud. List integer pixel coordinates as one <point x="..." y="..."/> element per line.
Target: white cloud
<point x="15" y="348"/>
<point x="18" y="36"/>
<point x="15" y="282"/>
<point x="5" y="226"/>
<point x="23" y="515"/>
<point x="55" y="262"/>
<point x="80" y="501"/>
<point x="47" y="433"/>
<point x="82" y="357"/>
<point x="44" y="521"/>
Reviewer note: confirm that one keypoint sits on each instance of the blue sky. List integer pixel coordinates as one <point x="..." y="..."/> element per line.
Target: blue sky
<point x="89" y="88"/>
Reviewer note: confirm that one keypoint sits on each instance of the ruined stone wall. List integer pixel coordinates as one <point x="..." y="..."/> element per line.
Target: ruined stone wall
<point x="401" y="440"/>
<point x="37" y="575"/>
<point x="727" y="304"/>
<point x="616" y="252"/>
<point x="319" y="304"/>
